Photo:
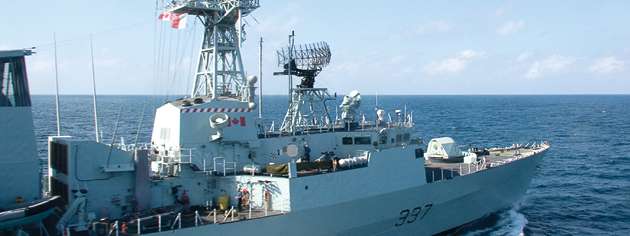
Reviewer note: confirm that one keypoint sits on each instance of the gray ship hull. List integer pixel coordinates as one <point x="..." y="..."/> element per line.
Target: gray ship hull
<point x="442" y="205"/>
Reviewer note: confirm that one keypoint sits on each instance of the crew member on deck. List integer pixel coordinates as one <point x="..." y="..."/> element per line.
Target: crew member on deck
<point x="307" y="153"/>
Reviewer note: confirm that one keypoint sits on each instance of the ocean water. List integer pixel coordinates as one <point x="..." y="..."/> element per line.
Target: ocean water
<point x="582" y="186"/>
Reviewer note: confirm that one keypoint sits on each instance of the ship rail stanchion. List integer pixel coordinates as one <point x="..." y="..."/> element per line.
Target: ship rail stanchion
<point x="196" y="218"/>
<point x="227" y="214"/>
<point x="159" y="223"/>
<point x="432" y="176"/>
<point x="117" y="233"/>
<point x="232" y="214"/>
<point x="442" y="170"/>
<point x="139" y="227"/>
<point x="190" y="155"/>
<point x="178" y="221"/>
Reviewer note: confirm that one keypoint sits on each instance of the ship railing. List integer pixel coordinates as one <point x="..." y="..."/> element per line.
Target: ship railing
<point x="470" y="168"/>
<point x="180" y="156"/>
<point x="133" y="147"/>
<point x="141" y="227"/>
<point x="229" y="214"/>
<point x="118" y="228"/>
<point x="185" y="155"/>
<point x="443" y="174"/>
<point x="225" y="166"/>
<point x="461" y="170"/>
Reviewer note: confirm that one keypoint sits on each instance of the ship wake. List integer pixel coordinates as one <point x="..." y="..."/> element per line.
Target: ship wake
<point x="509" y="222"/>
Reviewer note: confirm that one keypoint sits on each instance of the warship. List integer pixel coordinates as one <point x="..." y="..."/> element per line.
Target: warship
<point x="215" y="167"/>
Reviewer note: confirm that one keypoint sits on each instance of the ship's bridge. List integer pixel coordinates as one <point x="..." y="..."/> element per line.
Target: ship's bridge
<point x="18" y="157"/>
<point x="13" y="80"/>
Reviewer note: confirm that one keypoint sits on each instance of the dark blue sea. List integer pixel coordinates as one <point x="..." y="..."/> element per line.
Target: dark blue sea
<point x="582" y="186"/>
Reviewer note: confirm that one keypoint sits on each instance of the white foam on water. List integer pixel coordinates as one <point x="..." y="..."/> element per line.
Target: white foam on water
<point x="510" y="222"/>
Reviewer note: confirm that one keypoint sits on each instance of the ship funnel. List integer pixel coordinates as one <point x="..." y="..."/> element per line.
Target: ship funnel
<point x="218" y="121"/>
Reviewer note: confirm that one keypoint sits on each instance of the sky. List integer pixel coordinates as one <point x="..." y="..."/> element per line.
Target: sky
<point x="384" y="47"/>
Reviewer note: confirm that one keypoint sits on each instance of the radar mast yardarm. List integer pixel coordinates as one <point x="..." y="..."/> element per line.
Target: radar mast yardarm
<point x="220" y="71"/>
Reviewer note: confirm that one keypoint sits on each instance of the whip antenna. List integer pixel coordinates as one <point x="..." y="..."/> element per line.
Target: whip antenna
<point x="57" y="89"/>
<point x="96" y="130"/>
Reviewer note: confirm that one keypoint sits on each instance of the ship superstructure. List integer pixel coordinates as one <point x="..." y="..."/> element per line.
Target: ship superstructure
<point x="214" y="167"/>
<point x="22" y="206"/>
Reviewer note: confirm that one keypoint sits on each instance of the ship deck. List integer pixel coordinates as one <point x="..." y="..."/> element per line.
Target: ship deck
<point x="441" y="170"/>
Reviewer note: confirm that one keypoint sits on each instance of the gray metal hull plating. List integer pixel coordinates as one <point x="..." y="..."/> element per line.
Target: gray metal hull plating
<point x="454" y="202"/>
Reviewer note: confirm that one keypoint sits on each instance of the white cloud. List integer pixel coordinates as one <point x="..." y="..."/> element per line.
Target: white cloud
<point x="551" y="64"/>
<point x="452" y="65"/>
<point x="434" y="27"/>
<point x="511" y="27"/>
<point x="607" y="65"/>
<point x="523" y="56"/>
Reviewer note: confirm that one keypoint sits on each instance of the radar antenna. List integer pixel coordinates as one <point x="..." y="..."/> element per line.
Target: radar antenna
<point x="305" y="61"/>
<point x="307" y="104"/>
<point x="220" y="69"/>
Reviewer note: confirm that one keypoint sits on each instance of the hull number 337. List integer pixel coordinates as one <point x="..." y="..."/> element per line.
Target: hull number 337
<point x="408" y="216"/>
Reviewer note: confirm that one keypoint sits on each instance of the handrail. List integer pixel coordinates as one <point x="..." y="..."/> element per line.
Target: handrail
<point x="177" y="220"/>
<point x="228" y="214"/>
<point x="114" y="228"/>
<point x="224" y="164"/>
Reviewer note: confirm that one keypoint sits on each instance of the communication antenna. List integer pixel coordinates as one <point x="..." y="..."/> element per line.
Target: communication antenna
<point x="96" y="130"/>
<point x="220" y="70"/>
<point x="57" y="89"/>
<point x="260" y="76"/>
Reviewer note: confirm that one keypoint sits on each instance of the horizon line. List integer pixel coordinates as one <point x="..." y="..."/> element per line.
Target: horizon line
<point x="371" y="94"/>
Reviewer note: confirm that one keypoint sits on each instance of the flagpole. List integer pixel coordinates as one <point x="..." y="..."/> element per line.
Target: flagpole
<point x="57" y="89"/>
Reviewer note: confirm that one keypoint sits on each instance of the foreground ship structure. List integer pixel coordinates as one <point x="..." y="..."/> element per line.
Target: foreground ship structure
<point x="22" y="206"/>
<point x="213" y="167"/>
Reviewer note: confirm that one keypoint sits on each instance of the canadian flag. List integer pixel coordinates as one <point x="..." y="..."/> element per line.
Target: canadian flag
<point x="235" y="122"/>
<point x="178" y="21"/>
<point x="165" y="16"/>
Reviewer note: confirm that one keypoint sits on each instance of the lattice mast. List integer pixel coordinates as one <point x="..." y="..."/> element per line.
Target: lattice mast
<point x="220" y="71"/>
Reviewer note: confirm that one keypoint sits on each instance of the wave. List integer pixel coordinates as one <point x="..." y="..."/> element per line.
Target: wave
<point x="510" y="222"/>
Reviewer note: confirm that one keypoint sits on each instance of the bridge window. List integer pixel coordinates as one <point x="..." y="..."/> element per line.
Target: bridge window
<point x="362" y="140"/>
<point x="346" y="140"/>
<point x="13" y="83"/>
